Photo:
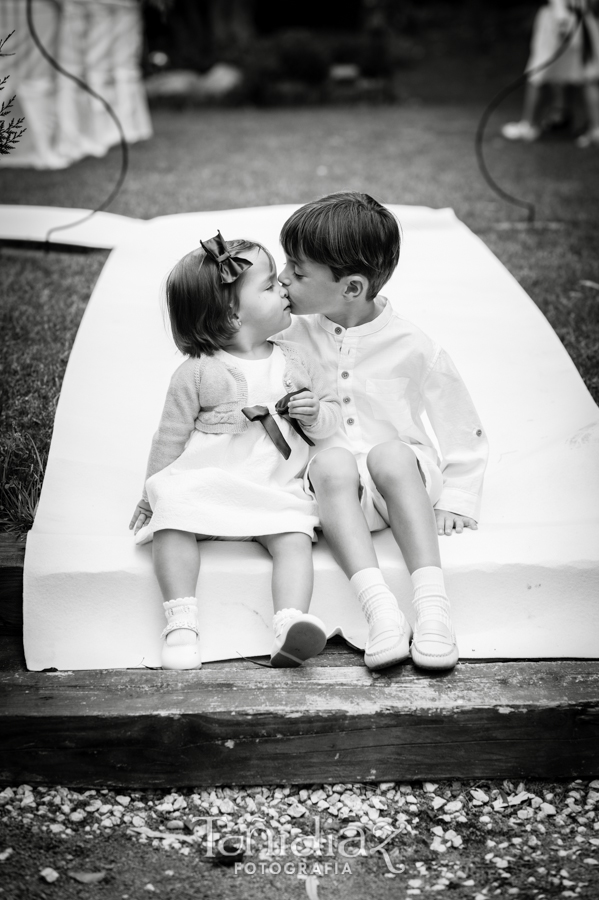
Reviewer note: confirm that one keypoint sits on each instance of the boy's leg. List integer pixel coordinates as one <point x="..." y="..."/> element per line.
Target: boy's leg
<point x="336" y="482"/>
<point x="176" y="558"/>
<point x="298" y="635"/>
<point x="395" y="471"/>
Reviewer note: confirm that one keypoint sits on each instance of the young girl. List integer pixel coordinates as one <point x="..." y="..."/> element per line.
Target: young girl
<point x="232" y="445"/>
<point x="577" y="64"/>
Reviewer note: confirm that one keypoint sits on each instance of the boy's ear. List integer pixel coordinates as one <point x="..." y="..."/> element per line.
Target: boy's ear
<point x="356" y="287"/>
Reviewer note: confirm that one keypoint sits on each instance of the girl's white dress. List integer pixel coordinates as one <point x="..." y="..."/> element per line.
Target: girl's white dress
<point x="237" y="485"/>
<point x="569" y="68"/>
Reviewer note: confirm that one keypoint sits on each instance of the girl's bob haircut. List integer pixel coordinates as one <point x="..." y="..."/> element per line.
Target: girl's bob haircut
<point x="349" y="232"/>
<point x="200" y="307"/>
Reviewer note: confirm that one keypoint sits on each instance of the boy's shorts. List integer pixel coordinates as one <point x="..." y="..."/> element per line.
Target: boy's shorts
<point x="372" y="501"/>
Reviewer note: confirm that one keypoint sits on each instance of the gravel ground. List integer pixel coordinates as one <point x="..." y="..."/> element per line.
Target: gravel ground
<point x="477" y="840"/>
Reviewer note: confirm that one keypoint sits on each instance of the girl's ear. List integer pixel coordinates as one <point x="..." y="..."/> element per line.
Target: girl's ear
<point x="356" y="287"/>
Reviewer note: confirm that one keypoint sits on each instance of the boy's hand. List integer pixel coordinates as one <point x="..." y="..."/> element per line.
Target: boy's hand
<point x="141" y="516"/>
<point x="448" y="522"/>
<point x="305" y="407"/>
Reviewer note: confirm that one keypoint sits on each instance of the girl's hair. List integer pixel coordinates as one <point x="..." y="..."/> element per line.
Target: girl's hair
<point x="200" y="307"/>
<point x="349" y="232"/>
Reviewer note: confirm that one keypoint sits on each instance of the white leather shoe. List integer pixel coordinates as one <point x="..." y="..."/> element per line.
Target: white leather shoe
<point x="391" y="645"/>
<point x="434" y="645"/>
<point x="298" y="636"/>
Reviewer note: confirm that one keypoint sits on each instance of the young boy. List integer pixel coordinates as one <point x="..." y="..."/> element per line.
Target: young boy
<point x="384" y="470"/>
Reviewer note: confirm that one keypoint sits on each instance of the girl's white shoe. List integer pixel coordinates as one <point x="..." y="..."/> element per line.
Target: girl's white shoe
<point x="181" y="650"/>
<point x="298" y="636"/>
<point x="521" y="131"/>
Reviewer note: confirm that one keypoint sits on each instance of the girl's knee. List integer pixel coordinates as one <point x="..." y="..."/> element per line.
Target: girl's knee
<point x="333" y="468"/>
<point x="288" y="542"/>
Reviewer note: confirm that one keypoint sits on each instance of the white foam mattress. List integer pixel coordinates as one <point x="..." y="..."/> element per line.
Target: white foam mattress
<point x="526" y="584"/>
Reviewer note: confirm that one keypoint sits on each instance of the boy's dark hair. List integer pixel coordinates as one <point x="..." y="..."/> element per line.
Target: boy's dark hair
<point x="349" y="232"/>
<point x="200" y="306"/>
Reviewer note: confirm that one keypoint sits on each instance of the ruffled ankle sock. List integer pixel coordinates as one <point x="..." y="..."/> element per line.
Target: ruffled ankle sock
<point x="181" y="647"/>
<point x="388" y="631"/>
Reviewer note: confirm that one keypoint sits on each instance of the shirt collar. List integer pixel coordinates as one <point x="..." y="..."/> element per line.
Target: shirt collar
<point x="368" y="327"/>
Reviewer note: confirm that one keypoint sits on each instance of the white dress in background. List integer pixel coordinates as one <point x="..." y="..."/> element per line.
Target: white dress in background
<point x="99" y="41"/>
<point x="547" y="40"/>
<point x="237" y="485"/>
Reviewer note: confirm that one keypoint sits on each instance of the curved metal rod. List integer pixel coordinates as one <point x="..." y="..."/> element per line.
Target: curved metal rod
<point x="492" y="106"/>
<point x="85" y="87"/>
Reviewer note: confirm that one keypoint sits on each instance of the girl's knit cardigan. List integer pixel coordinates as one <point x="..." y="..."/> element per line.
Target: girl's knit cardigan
<point x="207" y="394"/>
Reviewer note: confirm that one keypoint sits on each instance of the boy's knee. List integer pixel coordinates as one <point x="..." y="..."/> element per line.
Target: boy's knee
<point x="334" y="469"/>
<point x="391" y="461"/>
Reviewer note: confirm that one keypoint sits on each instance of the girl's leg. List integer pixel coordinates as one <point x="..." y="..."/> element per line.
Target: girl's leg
<point x="532" y="101"/>
<point x="527" y="129"/>
<point x="298" y="635"/>
<point x="591" y="99"/>
<point x="336" y="481"/>
<point x="292" y="569"/>
<point x="176" y="558"/>
<point x="395" y="471"/>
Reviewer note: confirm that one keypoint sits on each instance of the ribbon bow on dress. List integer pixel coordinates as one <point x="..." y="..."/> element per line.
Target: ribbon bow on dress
<point x="230" y="267"/>
<point x="262" y="414"/>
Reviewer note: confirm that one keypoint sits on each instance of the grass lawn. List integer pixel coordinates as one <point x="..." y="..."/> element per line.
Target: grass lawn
<point x="227" y="158"/>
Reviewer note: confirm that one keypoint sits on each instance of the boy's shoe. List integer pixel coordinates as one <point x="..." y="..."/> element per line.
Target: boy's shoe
<point x="434" y="645"/>
<point x="588" y="139"/>
<point x="521" y="131"/>
<point x="181" y="615"/>
<point x="392" y="642"/>
<point x="298" y="636"/>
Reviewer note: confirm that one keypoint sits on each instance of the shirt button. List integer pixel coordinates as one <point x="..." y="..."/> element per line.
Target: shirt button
<point x="350" y="421"/>
<point x="345" y="374"/>
<point x="478" y="432"/>
<point x="338" y="330"/>
<point x="346" y="399"/>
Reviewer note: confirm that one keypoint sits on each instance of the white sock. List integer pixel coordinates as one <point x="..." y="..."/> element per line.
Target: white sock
<point x="379" y="605"/>
<point x="430" y="598"/>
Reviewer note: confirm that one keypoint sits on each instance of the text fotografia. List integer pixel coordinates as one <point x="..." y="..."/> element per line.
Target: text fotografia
<point x="311" y="854"/>
<point x="299" y="867"/>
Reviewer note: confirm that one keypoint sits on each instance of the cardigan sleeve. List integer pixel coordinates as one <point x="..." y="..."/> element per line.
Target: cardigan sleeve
<point x="329" y="414"/>
<point x="462" y="440"/>
<point x="177" y="421"/>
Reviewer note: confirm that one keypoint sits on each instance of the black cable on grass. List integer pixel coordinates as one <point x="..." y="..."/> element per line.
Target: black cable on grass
<point x="84" y="87"/>
<point x="496" y="101"/>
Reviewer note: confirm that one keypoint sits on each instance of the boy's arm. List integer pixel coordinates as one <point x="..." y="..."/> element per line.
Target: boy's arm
<point x="462" y="440"/>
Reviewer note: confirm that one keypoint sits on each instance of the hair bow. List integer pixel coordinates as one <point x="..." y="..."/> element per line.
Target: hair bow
<point x="230" y="267"/>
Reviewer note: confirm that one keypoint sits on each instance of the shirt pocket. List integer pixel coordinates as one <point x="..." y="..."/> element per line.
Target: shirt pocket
<point x="388" y="400"/>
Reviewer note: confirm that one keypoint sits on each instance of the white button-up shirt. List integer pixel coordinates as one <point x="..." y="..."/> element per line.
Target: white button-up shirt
<point x="388" y="374"/>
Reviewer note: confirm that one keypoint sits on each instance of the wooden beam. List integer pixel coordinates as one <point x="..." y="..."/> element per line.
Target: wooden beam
<point x="12" y="555"/>
<point x="238" y="723"/>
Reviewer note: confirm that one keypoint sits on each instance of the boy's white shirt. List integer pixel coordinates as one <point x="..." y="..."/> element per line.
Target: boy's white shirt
<point x="386" y="373"/>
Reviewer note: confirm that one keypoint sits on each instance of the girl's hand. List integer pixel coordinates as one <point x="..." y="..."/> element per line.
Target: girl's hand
<point x="305" y="407"/>
<point x="448" y="522"/>
<point x="141" y="516"/>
